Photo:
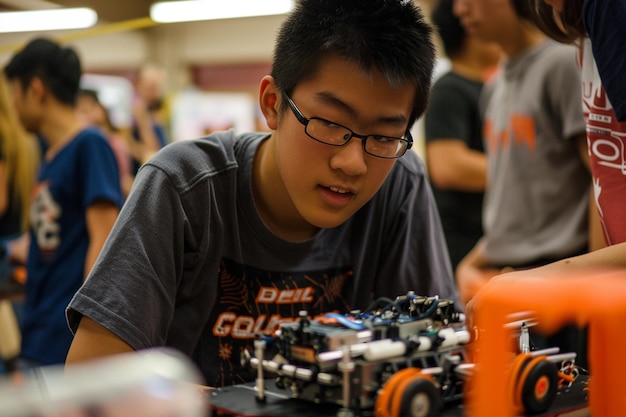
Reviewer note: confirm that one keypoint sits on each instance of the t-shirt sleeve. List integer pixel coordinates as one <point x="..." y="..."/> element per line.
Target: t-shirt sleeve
<point x="447" y="114"/>
<point x="563" y="87"/>
<point x="134" y="276"/>
<point x="99" y="172"/>
<point x="417" y="257"/>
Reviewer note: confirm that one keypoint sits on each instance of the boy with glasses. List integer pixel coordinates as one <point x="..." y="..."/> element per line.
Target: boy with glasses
<point x="224" y="237"/>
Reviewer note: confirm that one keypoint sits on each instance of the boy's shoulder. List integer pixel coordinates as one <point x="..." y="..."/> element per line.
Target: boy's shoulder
<point x="407" y="176"/>
<point x="89" y="141"/>
<point x="224" y="146"/>
<point x="555" y="53"/>
<point x="410" y="163"/>
<point x="188" y="160"/>
<point x="89" y="133"/>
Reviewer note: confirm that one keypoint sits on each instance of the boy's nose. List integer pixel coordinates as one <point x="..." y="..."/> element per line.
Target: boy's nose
<point x="350" y="158"/>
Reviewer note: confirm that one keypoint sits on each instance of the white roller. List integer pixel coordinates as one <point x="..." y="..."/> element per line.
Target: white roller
<point x="384" y="349"/>
<point x="449" y="337"/>
<point x="424" y="344"/>
<point x="463" y="337"/>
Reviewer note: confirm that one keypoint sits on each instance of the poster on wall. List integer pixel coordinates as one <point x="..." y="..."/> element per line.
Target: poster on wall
<point x="115" y="94"/>
<point x="196" y="113"/>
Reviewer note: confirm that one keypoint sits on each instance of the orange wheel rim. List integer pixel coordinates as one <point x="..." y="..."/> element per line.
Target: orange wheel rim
<point x="525" y="372"/>
<point x="542" y="387"/>
<point x="396" y="400"/>
<point x="384" y="401"/>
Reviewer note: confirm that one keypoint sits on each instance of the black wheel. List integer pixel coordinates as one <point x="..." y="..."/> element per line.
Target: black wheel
<point x="420" y="398"/>
<point x="539" y="387"/>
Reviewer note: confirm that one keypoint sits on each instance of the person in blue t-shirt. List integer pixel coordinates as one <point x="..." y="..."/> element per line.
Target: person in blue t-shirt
<point x="76" y="198"/>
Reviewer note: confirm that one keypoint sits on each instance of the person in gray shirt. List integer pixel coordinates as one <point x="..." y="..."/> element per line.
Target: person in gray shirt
<point x="536" y="207"/>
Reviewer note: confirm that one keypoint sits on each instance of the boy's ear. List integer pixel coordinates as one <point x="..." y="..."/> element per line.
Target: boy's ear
<point x="36" y="88"/>
<point x="268" y="100"/>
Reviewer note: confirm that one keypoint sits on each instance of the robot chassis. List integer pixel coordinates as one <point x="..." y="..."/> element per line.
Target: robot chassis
<point x="399" y="358"/>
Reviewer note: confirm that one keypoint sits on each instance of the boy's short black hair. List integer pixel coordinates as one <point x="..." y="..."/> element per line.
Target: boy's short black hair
<point x="389" y="35"/>
<point x="449" y="27"/>
<point x="58" y="67"/>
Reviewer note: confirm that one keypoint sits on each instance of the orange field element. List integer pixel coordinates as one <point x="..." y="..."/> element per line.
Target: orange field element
<point x="595" y="298"/>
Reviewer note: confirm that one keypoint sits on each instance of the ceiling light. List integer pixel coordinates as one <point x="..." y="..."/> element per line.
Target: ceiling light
<point x="190" y="10"/>
<point x="53" y="19"/>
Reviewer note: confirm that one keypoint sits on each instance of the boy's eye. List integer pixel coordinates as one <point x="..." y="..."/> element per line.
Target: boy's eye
<point x="382" y="139"/>
<point x="328" y="123"/>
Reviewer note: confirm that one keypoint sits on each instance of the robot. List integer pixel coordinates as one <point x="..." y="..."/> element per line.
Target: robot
<point x="398" y="358"/>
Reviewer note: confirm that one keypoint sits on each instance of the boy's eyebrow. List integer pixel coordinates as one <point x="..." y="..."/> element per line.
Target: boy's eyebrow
<point x="329" y="98"/>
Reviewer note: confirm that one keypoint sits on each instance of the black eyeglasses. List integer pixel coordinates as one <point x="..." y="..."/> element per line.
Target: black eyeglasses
<point x="334" y="134"/>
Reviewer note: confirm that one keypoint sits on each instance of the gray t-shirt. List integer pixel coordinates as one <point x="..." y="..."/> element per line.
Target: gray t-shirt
<point x="537" y="199"/>
<point x="191" y="265"/>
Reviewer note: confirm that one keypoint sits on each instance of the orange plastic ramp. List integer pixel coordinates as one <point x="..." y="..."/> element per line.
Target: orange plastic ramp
<point x="595" y="298"/>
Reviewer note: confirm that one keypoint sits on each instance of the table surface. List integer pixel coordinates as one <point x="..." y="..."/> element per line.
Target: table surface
<point x="240" y="401"/>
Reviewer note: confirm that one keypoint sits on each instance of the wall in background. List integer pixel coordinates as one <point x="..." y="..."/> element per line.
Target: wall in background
<point x="177" y="47"/>
<point x="222" y="56"/>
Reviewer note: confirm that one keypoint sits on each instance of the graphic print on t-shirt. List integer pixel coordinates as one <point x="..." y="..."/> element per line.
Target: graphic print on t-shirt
<point x="606" y="139"/>
<point x="44" y="217"/>
<point x="253" y="302"/>
<point x="519" y="132"/>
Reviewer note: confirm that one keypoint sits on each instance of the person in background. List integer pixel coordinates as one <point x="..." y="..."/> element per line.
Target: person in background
<point x="148" y="132"/>
<point x="250" y="229"/>
<point x="597" y="29"/>
<point x="534" y="131"/>
<point x="455" y="155"/>
<point x="539" y="186"/>
<point x="19" y="161"/>
<point x="75" y="201"/>
<point x="93" y="113"/>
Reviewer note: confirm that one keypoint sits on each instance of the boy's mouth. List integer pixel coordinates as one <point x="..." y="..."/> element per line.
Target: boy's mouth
<point x="338" y="190"/>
